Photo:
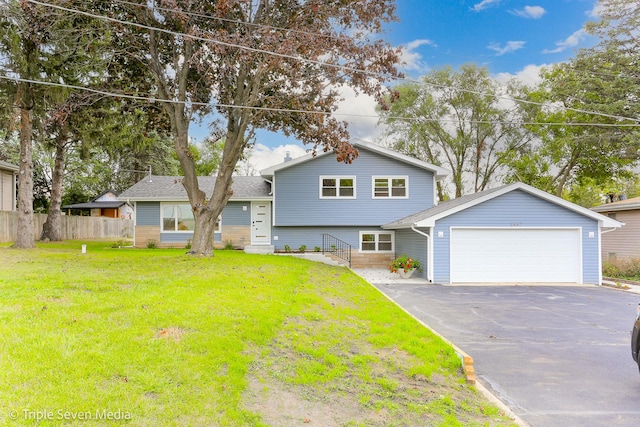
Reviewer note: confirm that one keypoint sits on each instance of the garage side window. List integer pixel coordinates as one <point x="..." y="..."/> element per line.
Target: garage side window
<point x="376" y="241"/>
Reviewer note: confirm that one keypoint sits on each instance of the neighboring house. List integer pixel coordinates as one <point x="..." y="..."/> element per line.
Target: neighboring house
<point x="8" y="177"/>
<point x="381" y="206"/>
<point x="624" y="243"/>
<point x="106" y="204"/>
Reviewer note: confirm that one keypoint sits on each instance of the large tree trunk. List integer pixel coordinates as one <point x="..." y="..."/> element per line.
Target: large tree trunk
<point x="51" y="230"/>
<point x="202" y="242"/>
<point x="25" y="229"/>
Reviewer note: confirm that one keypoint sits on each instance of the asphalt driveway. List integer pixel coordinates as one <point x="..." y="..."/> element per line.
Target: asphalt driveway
<point x="556" y="355"/>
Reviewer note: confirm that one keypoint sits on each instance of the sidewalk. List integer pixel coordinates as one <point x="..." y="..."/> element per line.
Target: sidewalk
<point x="383" y="276"/>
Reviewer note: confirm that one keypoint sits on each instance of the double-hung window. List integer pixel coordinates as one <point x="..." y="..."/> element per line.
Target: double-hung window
<point x="337" y="187"/>
<point x="389" y="187"/>
<point x="376" y="241"/>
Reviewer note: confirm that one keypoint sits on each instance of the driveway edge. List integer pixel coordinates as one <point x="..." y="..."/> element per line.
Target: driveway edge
<point x="467" y="365"/>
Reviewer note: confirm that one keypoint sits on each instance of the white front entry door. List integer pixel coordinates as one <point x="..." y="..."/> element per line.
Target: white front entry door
<point x="260" y="223"/>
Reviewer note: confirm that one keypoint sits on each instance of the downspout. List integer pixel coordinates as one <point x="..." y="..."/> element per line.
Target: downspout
<point x="429" y="252"/>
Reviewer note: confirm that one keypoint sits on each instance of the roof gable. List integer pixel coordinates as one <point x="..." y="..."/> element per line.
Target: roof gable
<point x="437" y="170"/>
<point x="428" y="217"/>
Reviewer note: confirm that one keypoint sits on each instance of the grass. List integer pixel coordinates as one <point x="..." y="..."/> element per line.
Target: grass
<point x="154" y="337"/>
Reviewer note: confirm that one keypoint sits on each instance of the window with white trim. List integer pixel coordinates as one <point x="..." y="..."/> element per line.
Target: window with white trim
<point x="178" y="217"/>
<point x="387" y="187"/>
<point x="376" y="241"/>
<point x="337" y="187"/>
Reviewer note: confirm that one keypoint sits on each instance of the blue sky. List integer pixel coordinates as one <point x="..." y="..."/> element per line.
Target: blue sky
<point x="503" y="35"/>
<point x="511" y="38"/>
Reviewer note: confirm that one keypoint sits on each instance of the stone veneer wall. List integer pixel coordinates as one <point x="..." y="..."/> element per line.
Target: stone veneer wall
<point x="238" y="235"/>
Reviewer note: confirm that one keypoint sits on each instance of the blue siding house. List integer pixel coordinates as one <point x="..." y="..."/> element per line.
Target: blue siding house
<point x="384" y="205"/>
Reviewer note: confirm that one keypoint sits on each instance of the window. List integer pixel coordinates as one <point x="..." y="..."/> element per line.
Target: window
<point x="177" y="217"/>
<point x="390" y="187"/>
<point x="336" y="187"/>
<point x="376" y="241"/>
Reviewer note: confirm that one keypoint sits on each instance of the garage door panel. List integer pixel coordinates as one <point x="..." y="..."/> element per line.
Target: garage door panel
<point x="515" y="255"/>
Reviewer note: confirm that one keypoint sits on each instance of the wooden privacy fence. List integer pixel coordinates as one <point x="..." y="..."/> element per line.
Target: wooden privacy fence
<point x="73" y="227"/>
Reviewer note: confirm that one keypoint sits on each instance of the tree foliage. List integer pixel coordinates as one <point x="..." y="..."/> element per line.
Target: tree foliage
<point x="260" y="63"/>
<point x="456" y="119"/>
<point x="574" y="144"/>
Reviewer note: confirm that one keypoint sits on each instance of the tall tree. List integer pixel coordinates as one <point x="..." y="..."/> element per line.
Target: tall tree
<point x="583" y="133"/>
<point x="456" y="119"/>
<point x="24" y="30"/>
<point x="572" y="143"/>
<point x="261" y="63"/>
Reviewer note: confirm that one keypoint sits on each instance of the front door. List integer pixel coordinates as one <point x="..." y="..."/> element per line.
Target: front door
<point x="260" y="223"/>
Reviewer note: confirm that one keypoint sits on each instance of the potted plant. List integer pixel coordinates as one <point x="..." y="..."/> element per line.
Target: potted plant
<point x="405" y="266"/>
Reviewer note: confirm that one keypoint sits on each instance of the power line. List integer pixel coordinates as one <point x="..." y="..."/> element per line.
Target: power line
<point x="325" y="113"/>
<point x="321" y="63"/>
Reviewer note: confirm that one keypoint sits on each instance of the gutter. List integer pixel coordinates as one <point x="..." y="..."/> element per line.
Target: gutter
<point x="609" y="230"/>
<point x="429" y="252"/>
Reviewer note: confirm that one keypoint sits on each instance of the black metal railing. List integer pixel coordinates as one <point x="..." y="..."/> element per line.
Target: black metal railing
<point x="336" y="247"/>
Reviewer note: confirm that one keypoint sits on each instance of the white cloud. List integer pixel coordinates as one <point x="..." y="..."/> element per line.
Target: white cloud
<point x="531" y="12"/>
<point x="359" y="111"/>
<point x="412" y="60"/>
<point x="529" y="75"/>
<point x="571" y="41"/>
<point x="597" y="10"/>
<point x="484" y="4"/>
<point x="511" y="46"/>
<point x="262" y="157"/>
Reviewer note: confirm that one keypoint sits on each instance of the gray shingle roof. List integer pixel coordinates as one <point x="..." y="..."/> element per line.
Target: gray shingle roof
<point x="622" y="205"/>
<point x="171" y="188"/>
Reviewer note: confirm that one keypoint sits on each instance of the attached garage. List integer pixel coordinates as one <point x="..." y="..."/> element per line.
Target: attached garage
<point x="540" y="255"/>
<point x="513" y="234"/>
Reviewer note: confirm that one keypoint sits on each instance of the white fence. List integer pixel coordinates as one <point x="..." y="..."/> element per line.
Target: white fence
<point x="73" y="227"/>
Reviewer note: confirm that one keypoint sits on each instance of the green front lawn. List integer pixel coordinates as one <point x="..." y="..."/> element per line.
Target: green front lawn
<point x="155" y="337"/>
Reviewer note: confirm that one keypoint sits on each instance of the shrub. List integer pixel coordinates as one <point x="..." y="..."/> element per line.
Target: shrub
<point x="404" y="263"/>
<point x="302" y="248"/>
<point x="626" y="268"/>
<point x="287" y="248"/>
<point x="228" y="245"/>
<point x="151" y="244"/>
<point x="316" y="249"/>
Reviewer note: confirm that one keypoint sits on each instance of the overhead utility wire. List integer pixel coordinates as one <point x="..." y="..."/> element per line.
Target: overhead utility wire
<point x="320" y="63"/>
<point x="364" y="116"/>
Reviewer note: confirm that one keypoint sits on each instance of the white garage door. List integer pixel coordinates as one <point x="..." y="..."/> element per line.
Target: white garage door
<point x="515" y="255"/>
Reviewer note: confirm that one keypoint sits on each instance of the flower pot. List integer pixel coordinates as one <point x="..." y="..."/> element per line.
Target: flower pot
<point x="406" y="275"/>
